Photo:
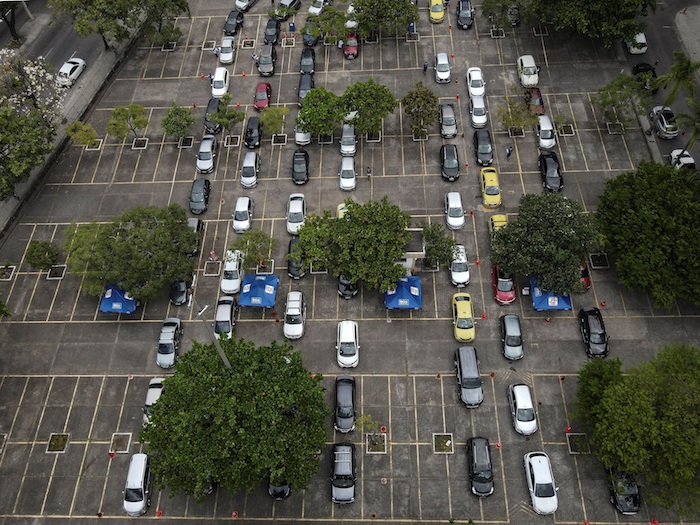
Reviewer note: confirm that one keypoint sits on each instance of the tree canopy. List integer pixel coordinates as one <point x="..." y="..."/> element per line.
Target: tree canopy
<point x="650" y="222"/>
<point x="647" y="423"/>
<point x="143" y="250"/>
<point x="388" y="16"/>
<point x="372" y="101"/>
<point x="680" y="76"/>
<point x="421" y="106"/>
<point x="364" y="245"/>
<point x="549" y="239"/>
<point x="127" y="118"/>
<point x="622" y="99"/>
<point x="178" y="121"/>
<point x="264" y="419"/>
<point x="321" y="112"/>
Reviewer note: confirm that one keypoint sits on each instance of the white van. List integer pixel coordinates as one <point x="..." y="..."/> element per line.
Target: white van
<point x="137" y="491"/>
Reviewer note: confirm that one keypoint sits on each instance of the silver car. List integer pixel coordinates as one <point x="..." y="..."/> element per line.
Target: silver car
<point x="522" y="409"/>
<point x="443" y="74"/>
<point x="477" y="110"/>
<point x="448" y="121"/>
<point x="511" y="337"/>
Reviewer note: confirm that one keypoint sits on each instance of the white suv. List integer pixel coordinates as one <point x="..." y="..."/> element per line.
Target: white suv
<point x="294" y="315"/>
<point x="348" y="344"/>
<point x="233" y="272"/>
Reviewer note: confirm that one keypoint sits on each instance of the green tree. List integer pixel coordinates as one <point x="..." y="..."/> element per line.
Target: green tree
<point x="439" y="246"/>
<point x="160" y="15"/>
<point x="681" y="76"/>
<point x="649" y="221"/>
<point x="593" y="379"/>
<point x="41" y="254"/>
<point x="372" y="101"/>
<point x="421" y="106"/>
<point x="255" y="245"/>
<point x="622" y="99"/>
<point x="331" y="23"/>
<point x="178" y="121"/>
<point x="262" y="420"/>
<point x="127" y="118"/>
<point x="365" y="245"/>
<point x="25" y="138"/>
<point x="610" y="21"/>
<point x="227" y="117"/>
<point x="389" y="17"/>
<point x="691" y="122"/>
<point x="272" y="118"/>
<point x="500" y="12"/>
<point x="515" y="113"/>
<point x="4" y="310"/>
<point x="321" y="112"/>
<point x="143" y="250"/>
<point x="550" y="237"/>
<point x="82" y="133"/>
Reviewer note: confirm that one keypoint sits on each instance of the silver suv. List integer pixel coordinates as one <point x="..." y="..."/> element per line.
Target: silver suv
<point x="343" y="473"/>
<point x="169" y="342"/>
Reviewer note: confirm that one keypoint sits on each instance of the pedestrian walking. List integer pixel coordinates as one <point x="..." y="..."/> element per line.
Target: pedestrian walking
<point x="425" y="67"/>
<point x="340" y="44"/>
<point x="369" y="173"/>
<point x="509" y="151"/>
<point x="255" y="58"/>
<point x="215" y="51"/>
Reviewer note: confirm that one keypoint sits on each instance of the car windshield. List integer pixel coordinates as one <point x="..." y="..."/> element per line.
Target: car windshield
<point x="347" y="348"/>
<point x="226" y="49"/>
<point x="343" y="482"/>
<point x="485" y="148"/>
<point x="546" y="134"/>
<point x="513" y="340"/>
<point x="351" y="42"/>
<point x="535" y="101"/>
<point x="460" y="266"/>
<point x="296" y="216"/>
<point x="477" y="83"/>
<point x="299" y="166"/>
<point x="261" y="95"/>
<point x="529" y="70"/>
<point x="133" y="495"/>
<point x="293" y="319"/>
<point x="197" y="197"/>
<point x="241" y="215"/>
<point x="482" y="476"/>
<point x="247" y="173"/>
<point x="347" y="174"/>
<point x="471" y="382"/>
<point x="218" y="84"/>
<point x="436" y="8"/>
<point x="544" y="490"/>
<point x="492" y="190"/>
<point x="465" y="12"/>
<point x="597" y="338"/>
<point x="441" y="67"/>
<point x="626" y="487"/>
<point x="307" y="61"/>
<point x="222" y="327"/>
<point x="505" y="285"/>
<point x="265" y="59"/>
<point x="205" y="155"/>
<point x="344" y="411"/>
<point x="465" y="323"/>
<point x="448" y="121"/>
<point x="231" y="274"/>
<point x="479" y="111"/>
<point x="450" y="162"/>
<point x="166" y="348"/>
<point x="525" y="414"/>
<point x="347" y="140"/>
<point x="455" y="212"/>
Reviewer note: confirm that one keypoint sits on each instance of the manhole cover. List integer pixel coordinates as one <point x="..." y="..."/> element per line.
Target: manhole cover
<point x="120" y="443"/>
<point x="57" y="443"/>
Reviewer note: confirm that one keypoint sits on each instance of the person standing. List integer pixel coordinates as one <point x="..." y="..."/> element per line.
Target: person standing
<point x="509" y="151"/>
<point x="425" y="67"/>
<point x="215" y="51"/>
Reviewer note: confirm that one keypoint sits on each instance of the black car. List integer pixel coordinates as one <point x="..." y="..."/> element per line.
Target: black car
<point x="308" y="36"/>
<point x="465" y="14"/>
<point x="199" y="196"/>
<point x="645" y="75"/>
<point x="306" y="84"/>
<point x="272" y="31"/>
<point x="624" y="492"/>
<point x="307" y="63"/>
<point x="300" y="167"/>
<point x="346" y="289"/>
<point x="233" y="23"/>
<point x="483" y="147"/>
<point x="449" y="162"/>
<point x="593" y="333"/>
<point x="345" y="409"/>
<point x="212" y="110"/>
<point x="548" y="163"/>
<point x="295" y="266"/>
<point x="178" y="291"/>
<point x="253" y="131"/>
<point x="479" y="464"/>
<point x="279" y="491"/>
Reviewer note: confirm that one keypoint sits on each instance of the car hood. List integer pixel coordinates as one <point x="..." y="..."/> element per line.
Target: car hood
<point x="134" y="508"/>
<point x="554" y="183"/>
<point x="484" y="158"/>
<point x="230" y="286"/>
<point x="512" y="352"/>
<point x="349" y="361"/>
<point x="293" y="331"/>
<point x="600" y="349"/>
<point x="545" y="505"/>
<point x="481" y="488"/>
<point x="460" y="278"/>
<point x="627" y="504"/>
<point x="472" y="396"/>
<point x="343" y="495"/>
<point x="526" y="427"/>
<point x="178" y="297"/>
<point x="344" y="424"/>
<point x="197" y="207"/>
<point x="165" y="360"/>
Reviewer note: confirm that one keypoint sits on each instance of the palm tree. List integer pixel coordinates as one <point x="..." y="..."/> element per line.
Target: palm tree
<point x="691" y="122"/>
<point x="681" y="76"/>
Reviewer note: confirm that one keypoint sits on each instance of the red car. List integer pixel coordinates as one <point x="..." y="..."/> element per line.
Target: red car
<point x="533" y="98"/>
<point x="263" y="94"/>
<point x="351" y="47"/>
<point x="503" y="286"/>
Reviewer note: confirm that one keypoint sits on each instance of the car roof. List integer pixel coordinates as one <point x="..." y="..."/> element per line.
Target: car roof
<point x="220" y="72"/>
<point x="512" y="323"/>
<point x="527" y="60"/>
<point x="459" y="253"/>
<point x="540" y="467"/>
<point x="242" y="203"/>
<point x="441" y="57"/>
<point x="454" y="199"/>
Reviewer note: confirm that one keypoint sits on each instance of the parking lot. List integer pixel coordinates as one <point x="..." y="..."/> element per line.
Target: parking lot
<point x="67" y="368"/>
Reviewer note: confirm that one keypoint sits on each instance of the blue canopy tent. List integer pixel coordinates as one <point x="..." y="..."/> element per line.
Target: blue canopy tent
<point x="542" y="300"/>
<point x="259" y="290"/>
<point x="116" y="300"/>
<point x="407" y="295"/>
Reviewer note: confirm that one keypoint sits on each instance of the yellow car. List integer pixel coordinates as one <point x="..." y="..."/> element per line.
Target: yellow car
<point x="437" y="11"/>
<point x="490" y="189"/>
<point x="497" y="222"/>
<point x="463" y="317"/>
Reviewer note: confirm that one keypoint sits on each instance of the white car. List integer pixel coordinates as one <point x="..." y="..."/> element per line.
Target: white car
<point x="546" y="136"/>
<point x="347" y="174"/>
<point x="316" y="7"/>
<point x="242" y="214"/>
<point x="169" y="342"/>
<point x="70" y="71"/>
<point x="522" y="409"/>
<point x="233" y="272"/>
<point x="206" y="154"/>
<point x="347" y="344"/>
<point x="351" y="22"/>
<point x="244" y="5"/>
<point x="540" y="482"/>
<point x="454" y="211"/>
<point x="155" y="389"/>
<point x="301" y="137"/>
<point x="226" y="50"/>
<point x="680" y="158"/>
<point x="478" y="112"/>
<point x="296" y="212"/>
<point x="224" y="323"/>
<point x="219" y="83"/>
<point x="638" y="45"/>
<point x="475" y="82"/>
<point x="294" y="316"/>
<point x="459" y="268"/>
<point x="528" y="71"/>
<point x="443" y="70"/>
